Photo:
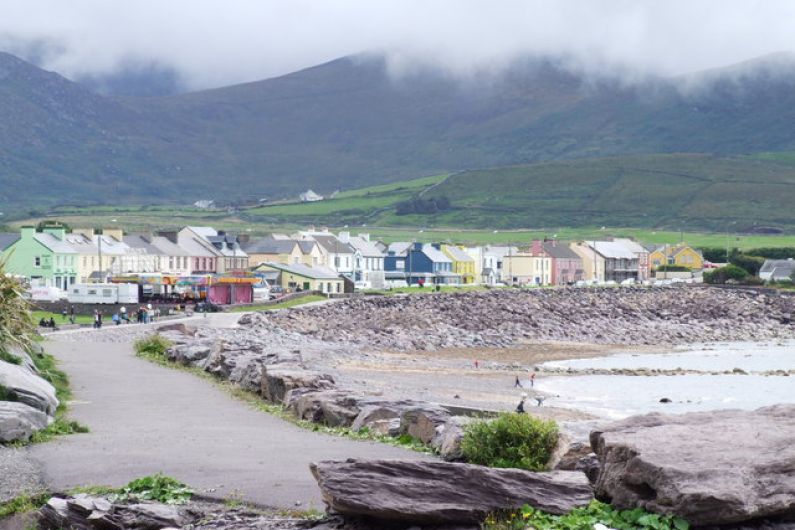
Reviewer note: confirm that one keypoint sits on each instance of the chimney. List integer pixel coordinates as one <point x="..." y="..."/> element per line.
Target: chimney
<point x="57" y="231"/>
<point x="115" y="233"/>
<point x="27" y="231"/>
<point x="417" y="246"/>
<point x="171" y="235"/>
<point x="344" y="237"/>
<point x="537" y="248"/>
<point x="87" y="232"/>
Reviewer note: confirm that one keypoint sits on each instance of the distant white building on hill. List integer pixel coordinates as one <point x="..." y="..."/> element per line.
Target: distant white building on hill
<point x="310" y="196"/>
<point x="204" y="204"/>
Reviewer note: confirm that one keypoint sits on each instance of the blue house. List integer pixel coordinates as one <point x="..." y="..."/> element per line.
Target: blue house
<point x="420" y="263"/>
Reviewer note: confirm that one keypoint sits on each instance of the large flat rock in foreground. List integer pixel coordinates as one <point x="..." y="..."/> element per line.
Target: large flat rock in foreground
<point x="716" y="467"/>
<point x="442" y="492"/>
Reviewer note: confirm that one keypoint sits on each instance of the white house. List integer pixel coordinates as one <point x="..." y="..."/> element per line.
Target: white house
<point x="310" y="196"/>
<point x="368" y="261"/>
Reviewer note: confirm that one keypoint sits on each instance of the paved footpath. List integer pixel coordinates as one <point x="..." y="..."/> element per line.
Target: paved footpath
<point x="145" y="418"/>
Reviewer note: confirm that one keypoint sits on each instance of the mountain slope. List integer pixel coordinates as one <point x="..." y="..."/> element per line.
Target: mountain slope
<point x="346" y="124"/>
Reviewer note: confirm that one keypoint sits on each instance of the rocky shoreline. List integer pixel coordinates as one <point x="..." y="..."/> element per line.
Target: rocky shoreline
<point x="506" y="317"/>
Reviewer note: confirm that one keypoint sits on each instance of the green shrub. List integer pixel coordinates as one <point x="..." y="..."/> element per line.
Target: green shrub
<point x="724" y="274"/>
<point x="27" y="502"/>
<point x="159" y="487"/>
<point x="584" y="519"/>
<point x="153" y="347"/>
<point x="511" y="440"/>
<point x="16" y="324"/>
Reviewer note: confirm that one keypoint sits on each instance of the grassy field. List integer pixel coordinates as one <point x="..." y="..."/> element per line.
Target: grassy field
<point x="283" y="305"/>
<point x="59" y="319"/>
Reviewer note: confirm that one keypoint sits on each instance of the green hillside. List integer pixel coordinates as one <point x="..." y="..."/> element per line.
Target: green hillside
<point x="348" y="124"/>
<point x="677" y="192"/>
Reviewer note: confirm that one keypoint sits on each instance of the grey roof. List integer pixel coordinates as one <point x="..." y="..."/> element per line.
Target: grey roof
<point x="7" y="239"/>
<point x="141" y="241"/>
<point x="398" y="247"/>
<point x="194" y="247"/>
<point x="459" y="254"/>
<point x="435" y="255"/>
<point x="307" y="246"/>
<point x="332" y="244"/>
<point x="316" y="273"/>
<point x="368" y="248"/>
<point x="780" y="268"/>
<point x="559" y="250"/>
<point x="168" y="247"/>
<point x="55" y="244"/>
<point x="612" y="249"/>
<point x="268" y="245"/>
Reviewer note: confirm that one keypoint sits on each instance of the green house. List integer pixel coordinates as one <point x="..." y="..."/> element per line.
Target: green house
<point x="43" y="258"/>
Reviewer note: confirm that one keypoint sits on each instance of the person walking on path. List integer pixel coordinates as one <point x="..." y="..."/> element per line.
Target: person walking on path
<point x="532" y="379"/>
<point x="72" y="314"/>
<point x="517" y="383"/>
<point x="96" y="319"/>
<point x="63" y="314"/>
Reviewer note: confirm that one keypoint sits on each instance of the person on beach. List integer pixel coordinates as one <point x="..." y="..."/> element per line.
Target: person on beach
<point x="477" y="364"/>
<point x="517" y="383"/>
<point x="520" y="406"/>
<point x="532" y="379"/>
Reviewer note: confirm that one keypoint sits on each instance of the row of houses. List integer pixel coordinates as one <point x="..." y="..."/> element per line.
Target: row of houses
<point x="324" y="261"/>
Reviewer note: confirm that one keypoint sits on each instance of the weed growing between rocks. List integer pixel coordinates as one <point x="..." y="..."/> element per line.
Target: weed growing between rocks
<point x="596" y="513"/>
<point x="158" y="487"/>
<point x="27" y="502"/>
<point x="512" y="440"/>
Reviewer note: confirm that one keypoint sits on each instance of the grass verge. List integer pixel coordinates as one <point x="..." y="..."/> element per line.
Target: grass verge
<point x="584" y="519"/>
<point x="27" y="502"/>
<point x="154" y="349"/>
<point x="282" y="305"/>
<point x="59" y="319"/>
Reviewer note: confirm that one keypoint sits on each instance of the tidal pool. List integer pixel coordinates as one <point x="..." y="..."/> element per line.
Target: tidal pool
<point x="618" y="396"/>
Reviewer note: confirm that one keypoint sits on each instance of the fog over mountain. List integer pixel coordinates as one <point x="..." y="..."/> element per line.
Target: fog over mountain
<point x="187" y="45"/>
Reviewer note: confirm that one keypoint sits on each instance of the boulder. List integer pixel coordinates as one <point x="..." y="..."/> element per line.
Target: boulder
<point x="279" y="379"/>
<point x="178" y="327"/>
<point x="84" y="512"/>
<point x="421" y="422"/>
<point x="27" y="387"/>
<point x="716" y="467"/>
<point x="432" y="492"/>
<point x="378" y="418"/>
<point x="448" y="442"/>
<point x="335" y="408"/>
<point x="19" y="421"/>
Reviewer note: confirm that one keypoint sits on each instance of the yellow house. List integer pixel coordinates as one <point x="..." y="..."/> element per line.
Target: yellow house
<point x="288" y="251"/>
<point x="525" y="268"/>
<point x="299" y="277"/>
<point x="463" y="263"/>
<point x="681" y="255"/>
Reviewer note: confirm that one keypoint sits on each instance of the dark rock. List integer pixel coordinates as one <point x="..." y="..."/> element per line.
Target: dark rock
<point x="278" y="380"/>
<point x="422" y="422"/>
<point x="84" y="512"/>
<point x="442" y="492"/>
<point x="335" y="408"/>
<point x="717" y="467"/>
<point x="379" y="419"/>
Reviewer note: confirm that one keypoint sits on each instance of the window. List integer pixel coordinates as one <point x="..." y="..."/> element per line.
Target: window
<point x="107" y="293"/>
<point x="337" y="262"/>
<point x="328" y="287"/>
<point x="92" y="292"/>
<point x="338" y="287"/>
<point x="37" y="261"/>
<point x="400" y="264"/>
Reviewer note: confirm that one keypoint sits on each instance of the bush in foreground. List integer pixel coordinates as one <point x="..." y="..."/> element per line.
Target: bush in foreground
<point x="584" y="519"/>
<point x="511" y="440"/>
<point x="158" y="487"/>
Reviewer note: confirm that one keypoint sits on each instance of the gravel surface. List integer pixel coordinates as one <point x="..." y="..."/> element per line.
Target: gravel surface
<point x="19" y="474"/>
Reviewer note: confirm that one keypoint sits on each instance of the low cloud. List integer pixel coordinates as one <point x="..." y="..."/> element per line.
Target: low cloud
<point x="209" y="43"/>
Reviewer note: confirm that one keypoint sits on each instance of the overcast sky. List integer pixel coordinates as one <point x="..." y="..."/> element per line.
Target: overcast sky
<point x="219" y="42"/>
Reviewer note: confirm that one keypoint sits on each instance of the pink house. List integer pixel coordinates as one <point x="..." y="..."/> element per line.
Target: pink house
<point x="566" y="264"/>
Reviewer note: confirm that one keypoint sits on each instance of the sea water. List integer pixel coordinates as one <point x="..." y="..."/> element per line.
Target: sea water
<point x="618" y="396"/>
